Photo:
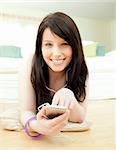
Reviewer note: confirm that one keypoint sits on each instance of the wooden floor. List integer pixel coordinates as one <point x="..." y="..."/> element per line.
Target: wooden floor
<point x="101" y="136"/>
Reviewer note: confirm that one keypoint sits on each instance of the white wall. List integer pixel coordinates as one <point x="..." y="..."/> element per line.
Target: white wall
<point x="23" y="33"/>
<point x="10" y="33"/>
<point x="113" y="34"/>
<point x="98" y="31"/>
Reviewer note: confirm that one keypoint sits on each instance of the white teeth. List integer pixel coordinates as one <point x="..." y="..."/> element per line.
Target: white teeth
<point x="57" y="62"/>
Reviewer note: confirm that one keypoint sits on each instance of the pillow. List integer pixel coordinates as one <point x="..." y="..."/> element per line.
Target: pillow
<point x="111" y="53"/>
<point x="10" y="51"/>
<point x="100" y="51"/>
<point x="71" y="126"/>
<point x="10" y="120"/>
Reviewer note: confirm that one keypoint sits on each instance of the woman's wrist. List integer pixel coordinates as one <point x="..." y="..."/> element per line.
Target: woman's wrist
<point x="77" y="114"/>
<point x="29" y="131"/>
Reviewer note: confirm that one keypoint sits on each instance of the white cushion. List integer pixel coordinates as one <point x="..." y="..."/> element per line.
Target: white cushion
<point x="10" y="64"/>
<point x="10" y="120"/>
<point x="101" y="64"/>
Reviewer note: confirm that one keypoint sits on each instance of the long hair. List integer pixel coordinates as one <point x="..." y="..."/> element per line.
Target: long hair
<point x="77" y="71"/>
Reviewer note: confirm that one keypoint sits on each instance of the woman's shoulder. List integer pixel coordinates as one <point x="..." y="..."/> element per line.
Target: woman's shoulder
<point x="26" y="63"/>
<point x="28" y="58"/>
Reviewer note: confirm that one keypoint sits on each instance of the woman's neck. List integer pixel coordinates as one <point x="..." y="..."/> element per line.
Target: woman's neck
<point x="57" y="80"/>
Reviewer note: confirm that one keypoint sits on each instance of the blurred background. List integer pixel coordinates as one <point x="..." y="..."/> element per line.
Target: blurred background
<point x="96" y="20"/>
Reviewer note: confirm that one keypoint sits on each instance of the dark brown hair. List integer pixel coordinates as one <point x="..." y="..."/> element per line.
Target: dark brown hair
<point x="63" y="26"/>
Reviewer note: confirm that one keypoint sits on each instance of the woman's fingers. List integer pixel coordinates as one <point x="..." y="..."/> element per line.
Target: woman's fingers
<point x="57" y="128"/>
<point x="63" y="97"/>
<point x="67" y="104"/>
<point x="60" y="119"/>
<point x="51" y="126"/>
<point x="55" y="100"/>
<point x="58" y="123"/>
<point x="42" y="113"/>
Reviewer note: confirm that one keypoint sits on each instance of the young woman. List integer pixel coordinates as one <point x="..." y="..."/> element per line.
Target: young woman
<point x="57" y="74"/>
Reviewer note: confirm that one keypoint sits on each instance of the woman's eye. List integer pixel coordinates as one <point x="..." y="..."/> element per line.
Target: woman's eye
<point x="48" y="44"/>
<point x="65" y="43"/>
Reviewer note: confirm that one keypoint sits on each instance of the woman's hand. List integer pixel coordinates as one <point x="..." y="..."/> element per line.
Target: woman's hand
<point x="65" y="97"/>
<point x="50" y="126"/>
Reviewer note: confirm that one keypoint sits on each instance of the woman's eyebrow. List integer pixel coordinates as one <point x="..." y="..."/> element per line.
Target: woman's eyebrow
<point x="47" y="41"/>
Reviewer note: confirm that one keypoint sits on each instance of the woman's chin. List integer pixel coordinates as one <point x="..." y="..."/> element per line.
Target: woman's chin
<point x="57" y="69"/>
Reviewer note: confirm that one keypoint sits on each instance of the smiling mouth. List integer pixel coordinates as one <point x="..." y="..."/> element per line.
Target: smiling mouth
<point x="57" y="62"/>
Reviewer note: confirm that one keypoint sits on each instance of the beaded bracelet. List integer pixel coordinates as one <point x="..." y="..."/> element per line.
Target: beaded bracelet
<point x="26" y="129"/>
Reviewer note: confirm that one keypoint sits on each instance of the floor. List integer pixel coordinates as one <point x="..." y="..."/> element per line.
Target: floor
<point x="102" y="134"/>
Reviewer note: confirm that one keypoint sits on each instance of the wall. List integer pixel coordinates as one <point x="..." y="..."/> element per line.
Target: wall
<point x="98" y="31"/>
<point x="22" y="32"/>
<point x="113" y="34"/>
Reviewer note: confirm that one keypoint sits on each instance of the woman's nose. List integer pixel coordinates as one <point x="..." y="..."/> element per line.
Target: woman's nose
<point x="56" y="51"/>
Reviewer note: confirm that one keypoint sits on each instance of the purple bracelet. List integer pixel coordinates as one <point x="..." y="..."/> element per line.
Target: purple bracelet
<point x="26" y="129"/>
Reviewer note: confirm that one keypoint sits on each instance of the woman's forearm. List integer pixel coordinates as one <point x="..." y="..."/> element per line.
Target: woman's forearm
<point x="77" y="114"/>
<point x="25" y="115"/>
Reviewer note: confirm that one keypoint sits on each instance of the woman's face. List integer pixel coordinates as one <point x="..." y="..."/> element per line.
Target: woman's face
<point x="56" y="52"/>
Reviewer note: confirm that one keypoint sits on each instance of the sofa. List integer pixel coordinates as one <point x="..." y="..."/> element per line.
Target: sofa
<point x="10" y="59"/>
<point x="102" y="70"/>
<point x="102" y="76"/>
